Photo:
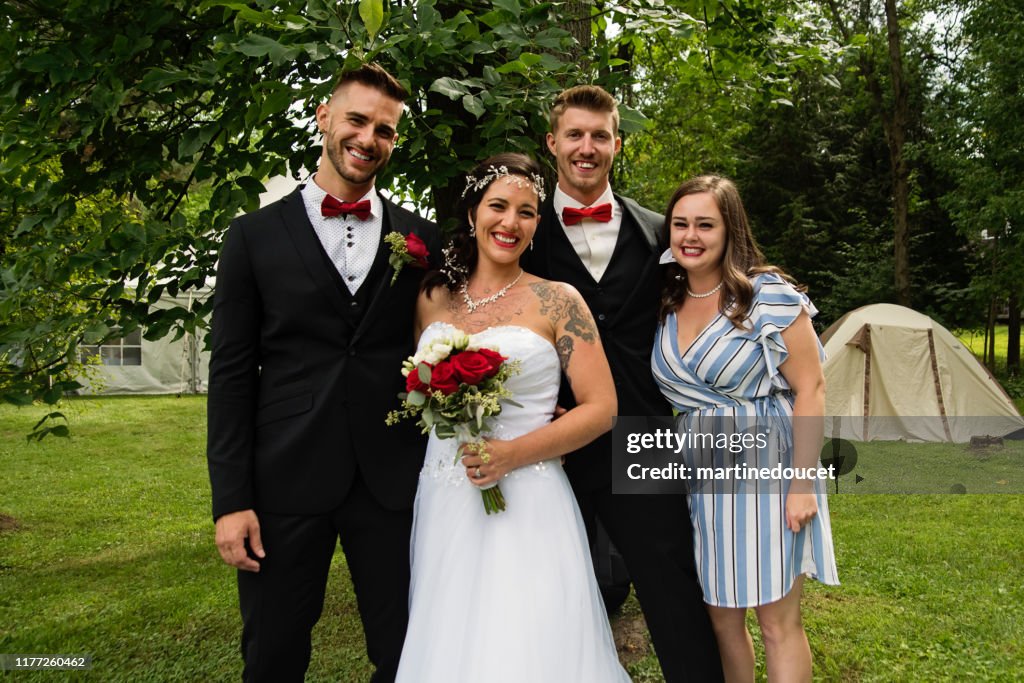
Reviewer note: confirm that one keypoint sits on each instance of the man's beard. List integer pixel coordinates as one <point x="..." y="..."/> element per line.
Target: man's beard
<point x="336" y="155"/>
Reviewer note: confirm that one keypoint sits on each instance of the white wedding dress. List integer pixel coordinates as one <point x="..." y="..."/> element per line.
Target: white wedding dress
<point x="508" y="597"/>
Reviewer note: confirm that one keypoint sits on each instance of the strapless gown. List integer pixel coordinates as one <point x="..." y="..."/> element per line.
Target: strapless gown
<point x="508" y="597"/>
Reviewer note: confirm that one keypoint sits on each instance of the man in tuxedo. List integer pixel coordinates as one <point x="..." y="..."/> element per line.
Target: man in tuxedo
<point x="308" y="338"/>
<point x="607" y="247"/>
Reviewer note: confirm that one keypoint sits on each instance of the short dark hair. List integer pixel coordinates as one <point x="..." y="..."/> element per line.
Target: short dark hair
<point x="590" y="97"/>
<point x="373" y="75"/>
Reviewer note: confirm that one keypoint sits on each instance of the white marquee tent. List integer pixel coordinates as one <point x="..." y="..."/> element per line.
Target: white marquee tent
<point x="134" y="365"/>
<point x="893" y="373"/>
<point x="167" y="366"/>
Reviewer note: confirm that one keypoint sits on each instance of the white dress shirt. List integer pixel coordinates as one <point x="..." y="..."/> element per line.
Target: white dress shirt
<point x="350" y="243"/>
<point x="594" y="241"/>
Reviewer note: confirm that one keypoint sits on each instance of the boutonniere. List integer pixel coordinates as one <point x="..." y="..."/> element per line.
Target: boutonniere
<point x="406" y="249"/>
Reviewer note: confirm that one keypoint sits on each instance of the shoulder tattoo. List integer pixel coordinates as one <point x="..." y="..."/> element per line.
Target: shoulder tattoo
<point x="557" y="305"/>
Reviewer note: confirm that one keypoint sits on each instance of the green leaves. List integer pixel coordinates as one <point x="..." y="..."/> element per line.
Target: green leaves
<point x="372" y="14"/>
<point x="131" y="134"/>
<point x="449" y="87"/>
<point x="258" y="46"/>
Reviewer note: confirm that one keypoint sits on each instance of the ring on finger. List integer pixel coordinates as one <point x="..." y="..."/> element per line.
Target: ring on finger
<point x="477" y="473"/>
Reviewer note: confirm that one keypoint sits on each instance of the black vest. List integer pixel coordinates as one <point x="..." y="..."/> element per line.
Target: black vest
<point x="625" y="305"/>
<point x="356" y="304"/>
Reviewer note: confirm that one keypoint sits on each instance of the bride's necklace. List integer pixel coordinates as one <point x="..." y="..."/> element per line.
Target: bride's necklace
<point x="473" y="304"/>
<point x="704" y="295"/>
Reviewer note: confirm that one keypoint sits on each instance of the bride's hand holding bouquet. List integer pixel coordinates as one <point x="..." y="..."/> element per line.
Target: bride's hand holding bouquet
<point x="454" y="387"/>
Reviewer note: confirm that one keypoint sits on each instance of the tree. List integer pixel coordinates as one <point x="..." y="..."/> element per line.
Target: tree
<point x="699" y="83"/>
<point x="124" y="104"/>
<point x="892" y="105"/>
<point x="983" y="131"/>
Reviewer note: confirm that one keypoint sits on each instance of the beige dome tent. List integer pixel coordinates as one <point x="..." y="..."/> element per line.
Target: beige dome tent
<point x="893" y="373"/>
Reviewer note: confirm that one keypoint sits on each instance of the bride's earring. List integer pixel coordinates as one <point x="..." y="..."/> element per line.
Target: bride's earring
<point x="531" y="245"/>
<point x="472" y="230"/>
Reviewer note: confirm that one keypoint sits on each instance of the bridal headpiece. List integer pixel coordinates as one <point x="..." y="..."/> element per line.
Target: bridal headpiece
<point x="452" y="270"/>
<point x="473" y="183"/>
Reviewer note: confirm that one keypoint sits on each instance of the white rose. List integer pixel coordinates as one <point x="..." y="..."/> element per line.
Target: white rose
<point x="437" y="353"/>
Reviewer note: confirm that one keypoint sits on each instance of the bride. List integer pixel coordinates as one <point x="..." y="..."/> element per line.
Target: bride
<point x="510" y="596"/>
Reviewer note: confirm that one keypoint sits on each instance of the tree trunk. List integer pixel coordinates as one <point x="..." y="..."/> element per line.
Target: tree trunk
<point x="896" y="134"/>
<point x="895" y="120"/>
<point x="1013" y="343"/>
<point x="990" y="337"/>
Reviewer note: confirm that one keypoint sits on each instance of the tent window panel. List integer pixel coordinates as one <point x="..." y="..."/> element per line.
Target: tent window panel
<point x="124" y="351"/>
<point x="111" y="355"/>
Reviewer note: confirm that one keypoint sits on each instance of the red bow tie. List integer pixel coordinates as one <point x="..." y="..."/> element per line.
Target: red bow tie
<point x="332" y="207"/>
<point x="601" y="213"/>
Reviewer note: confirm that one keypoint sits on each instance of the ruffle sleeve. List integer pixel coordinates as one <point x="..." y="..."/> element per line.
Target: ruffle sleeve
<point x="776" y="304"/>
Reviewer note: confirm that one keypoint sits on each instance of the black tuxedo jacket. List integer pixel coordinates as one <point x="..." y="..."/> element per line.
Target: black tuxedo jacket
<point x="302" y="373"/>
<point x="625" y="306"/>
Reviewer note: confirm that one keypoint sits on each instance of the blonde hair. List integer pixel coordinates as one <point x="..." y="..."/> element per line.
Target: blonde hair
<point x="590" y="97"/>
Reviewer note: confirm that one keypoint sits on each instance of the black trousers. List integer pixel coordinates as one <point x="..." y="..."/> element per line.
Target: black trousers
<point x="655" y="538"/>
<point x="283" y="601"/>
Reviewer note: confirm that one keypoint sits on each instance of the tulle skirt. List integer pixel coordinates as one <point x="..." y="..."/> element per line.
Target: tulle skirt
<point x="503" y="597"/>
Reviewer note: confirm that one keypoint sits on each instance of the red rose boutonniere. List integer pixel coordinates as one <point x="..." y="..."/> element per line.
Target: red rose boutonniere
<point x="406" y="249"/>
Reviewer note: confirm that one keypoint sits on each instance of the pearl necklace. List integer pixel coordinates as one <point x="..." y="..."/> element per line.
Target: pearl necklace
<point x="705" y="295"/>
<point x="472" y="305"/>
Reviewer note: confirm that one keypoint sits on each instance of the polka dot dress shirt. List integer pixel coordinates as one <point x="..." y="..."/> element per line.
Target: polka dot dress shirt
<point x="350" y="243"/>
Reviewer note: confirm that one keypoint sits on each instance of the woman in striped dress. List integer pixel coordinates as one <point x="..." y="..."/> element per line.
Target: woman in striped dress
<point x="736" y="354"/>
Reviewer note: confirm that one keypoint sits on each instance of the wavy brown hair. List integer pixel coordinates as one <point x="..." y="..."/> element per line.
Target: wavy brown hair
<point x="741" y="261"/>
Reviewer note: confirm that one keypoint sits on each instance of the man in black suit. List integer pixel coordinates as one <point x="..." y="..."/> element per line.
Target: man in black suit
<point x="308" y="338"/>
<point x="607" y="247"/>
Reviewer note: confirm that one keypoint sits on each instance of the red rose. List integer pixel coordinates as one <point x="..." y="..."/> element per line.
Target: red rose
<point x="414" y="383"/>
<point x="494" y="358"/>
<point x="418" y="250"/>
<point x="443" y="378"/>
<point x="471" y="367"/>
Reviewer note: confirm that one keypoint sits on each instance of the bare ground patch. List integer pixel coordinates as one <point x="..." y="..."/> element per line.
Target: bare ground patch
<point x="7" y="523"/>
<point x="631" y="637"/>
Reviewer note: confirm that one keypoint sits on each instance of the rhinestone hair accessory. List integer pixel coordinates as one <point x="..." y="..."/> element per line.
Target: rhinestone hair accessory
<point x="453" y="271"/>
<point x="474" y="183"/>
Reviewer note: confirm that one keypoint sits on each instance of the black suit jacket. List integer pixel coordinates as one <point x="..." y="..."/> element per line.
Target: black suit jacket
<point x="626" y="315"/>
<point x="302" y="373"/>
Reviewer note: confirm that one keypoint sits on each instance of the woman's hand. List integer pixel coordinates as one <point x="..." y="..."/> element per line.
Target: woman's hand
<point x="800" y="509"/>
<point x="487" y="461"/>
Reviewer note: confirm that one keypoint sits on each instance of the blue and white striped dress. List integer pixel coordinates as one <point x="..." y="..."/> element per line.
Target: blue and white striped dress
<point x="729" y="378"/>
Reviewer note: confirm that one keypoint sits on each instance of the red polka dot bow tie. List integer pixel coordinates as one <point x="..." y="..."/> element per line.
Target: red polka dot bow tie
<point x="601" y="213"/>
<point x="332" y="207"/>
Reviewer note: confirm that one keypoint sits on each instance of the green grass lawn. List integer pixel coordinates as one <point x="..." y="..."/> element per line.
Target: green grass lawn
<point x="975" y="341"/>
<point x="112" y="555"/>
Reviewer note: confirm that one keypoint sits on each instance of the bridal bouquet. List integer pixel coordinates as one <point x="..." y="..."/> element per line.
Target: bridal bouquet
<point x="453" y="387"/>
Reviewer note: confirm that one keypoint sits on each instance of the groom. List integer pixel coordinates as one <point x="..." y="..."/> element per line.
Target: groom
<point x="607" y="247"/>
<point x="308" y="337"/>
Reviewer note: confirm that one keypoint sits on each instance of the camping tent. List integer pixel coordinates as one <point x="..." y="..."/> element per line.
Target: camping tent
<point x="894" y="373"/>
<point x="133" y="365"/>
